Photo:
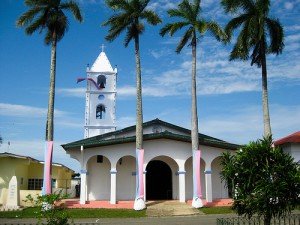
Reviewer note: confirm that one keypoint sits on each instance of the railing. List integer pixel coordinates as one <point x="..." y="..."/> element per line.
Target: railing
<point x="293" y="219"/>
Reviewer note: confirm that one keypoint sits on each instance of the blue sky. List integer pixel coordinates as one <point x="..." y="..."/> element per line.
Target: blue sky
<point x="229" y="93"/>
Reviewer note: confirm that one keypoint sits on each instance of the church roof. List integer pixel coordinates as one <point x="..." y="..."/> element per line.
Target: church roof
<point x="104" y="140"/>
<point x="292" y="138"/>
<point x="102" y="64"/>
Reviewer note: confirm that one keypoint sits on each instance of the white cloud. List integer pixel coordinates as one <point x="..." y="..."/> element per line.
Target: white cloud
<point x="25" y="111"/>
<point x="71" y="92"/>
<point x="246" y="123"/>
<point x="289" y="5"/>
<point x="162" y="5"/>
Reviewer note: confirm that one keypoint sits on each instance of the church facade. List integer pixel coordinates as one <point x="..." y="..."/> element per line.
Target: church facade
<point x="108" y="156"/>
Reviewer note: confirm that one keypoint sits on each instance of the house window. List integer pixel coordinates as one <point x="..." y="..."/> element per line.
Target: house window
<point x="101" y="81"/>
<point x="100" y="112"/>
<point x="35" y="184"/>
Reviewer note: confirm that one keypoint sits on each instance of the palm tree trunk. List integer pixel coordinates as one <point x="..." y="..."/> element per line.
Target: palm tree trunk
<point x="194" y="131"/>
<point x="197" y="202"/>
<point x="49" y="126"/>
<point x="265" y="100"/>
<point x="139" y="108"/>
<point x="139" y="203"/>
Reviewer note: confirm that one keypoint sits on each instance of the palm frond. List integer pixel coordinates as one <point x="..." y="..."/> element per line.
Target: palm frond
<point x="216" y="30"/>
<point x="28" y="16"/>
<point x="151" y="17"/>
<point x="239" y="51"/>
<point x="171" y="28"/>
<point x="117" y="4"/>
<point x="234" y="24"/>
<point x="176" y="13"/>
<point x="276" y="36"/>
<point x="74" y="8"/>
<point x="233" y="6"/>
<point x="186" y="37"/>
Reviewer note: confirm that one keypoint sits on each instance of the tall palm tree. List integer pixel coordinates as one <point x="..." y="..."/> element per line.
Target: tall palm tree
<point x="129" y="17"/>
<point x="49" y="16"/>
<point x="189" y="15"/>
<point x="259" y="34"/>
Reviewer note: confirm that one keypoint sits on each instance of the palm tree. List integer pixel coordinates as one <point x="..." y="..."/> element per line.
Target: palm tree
<point x="129" y="16"/>
<point x="49" y="16"/>
<point x="260" y="34"/>
<point x="189" y="15"/>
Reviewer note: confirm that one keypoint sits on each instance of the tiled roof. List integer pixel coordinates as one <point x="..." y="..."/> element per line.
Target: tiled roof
<point x="101" y="140"/>
<point x="292" y="138"/>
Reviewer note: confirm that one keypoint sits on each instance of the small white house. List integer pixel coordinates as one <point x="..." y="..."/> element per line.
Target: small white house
<point x="108" y="156"/>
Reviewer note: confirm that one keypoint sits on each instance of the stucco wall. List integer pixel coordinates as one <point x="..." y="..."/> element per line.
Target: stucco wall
<point x="126" y="178"/>
<point x="98" y="179"/>
<point x="175" y="153"/>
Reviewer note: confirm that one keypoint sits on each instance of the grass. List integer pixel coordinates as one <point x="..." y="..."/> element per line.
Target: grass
<point x="217" y="210"/>
<point x="79" y="213"/>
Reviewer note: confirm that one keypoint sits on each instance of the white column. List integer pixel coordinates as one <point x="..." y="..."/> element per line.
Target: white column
<point x="208" y="185"/>
<point x="144" y="177"/>
<point x="181" y="175"/>
<point x="113" y="186"/>
<point x="83" y="186"/>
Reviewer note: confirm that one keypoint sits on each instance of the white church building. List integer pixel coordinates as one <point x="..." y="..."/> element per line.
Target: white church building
<point x="107" y="156"/>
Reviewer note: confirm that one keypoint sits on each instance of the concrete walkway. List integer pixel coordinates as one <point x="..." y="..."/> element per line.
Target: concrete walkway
<point x="170" y="208"/>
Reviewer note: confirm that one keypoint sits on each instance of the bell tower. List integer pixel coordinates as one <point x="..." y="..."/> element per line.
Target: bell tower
<point x="100" y="105"/>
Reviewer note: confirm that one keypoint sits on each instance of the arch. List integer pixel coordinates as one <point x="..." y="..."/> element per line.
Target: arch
<point x="100" y="111"/>
<point x="98" y="178"/>
<point x="189" y="177"/>
<point x="101" y="81"/>
<point x="161" y="178"/>
<point x="219" y="190"/>
<point x="126" y="179"/>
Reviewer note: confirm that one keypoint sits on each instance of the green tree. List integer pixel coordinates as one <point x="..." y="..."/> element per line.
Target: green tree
<point x="266" y="180"/>
<point x="49" y="16"/>
<point x="129" y="17"/>
<point x="189" y="16"/>
<point x="259" y="34"/>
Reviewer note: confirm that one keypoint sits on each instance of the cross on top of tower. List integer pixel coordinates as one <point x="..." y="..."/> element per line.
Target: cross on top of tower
<point x="102" y="47"/>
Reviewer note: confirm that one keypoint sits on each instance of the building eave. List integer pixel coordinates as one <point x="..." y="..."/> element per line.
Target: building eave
<point x="163" y="135"/>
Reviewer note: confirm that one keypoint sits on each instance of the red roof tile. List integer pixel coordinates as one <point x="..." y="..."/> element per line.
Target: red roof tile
<point x="292" y="138"/>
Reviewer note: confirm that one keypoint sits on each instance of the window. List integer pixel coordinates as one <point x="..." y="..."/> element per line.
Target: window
<point x="101" y="97"/>
<point x="99" y="158"/>
<point x="101" y="81"/>
<point x="35" y="184"/>
<point x="100" y="112"/>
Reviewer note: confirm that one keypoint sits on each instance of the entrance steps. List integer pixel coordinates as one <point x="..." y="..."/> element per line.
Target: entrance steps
<point x="170" y="208"/>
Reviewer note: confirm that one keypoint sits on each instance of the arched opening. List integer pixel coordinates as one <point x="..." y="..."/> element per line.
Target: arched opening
<point x="219" y="190"/>
<point x="100" y="112"/>
<point x="101" y="81"/>
<point x="98" y="178"/>
<point x="189" y="178"/>
<point x="126" y="178"/>
<point x="158" y="181"/>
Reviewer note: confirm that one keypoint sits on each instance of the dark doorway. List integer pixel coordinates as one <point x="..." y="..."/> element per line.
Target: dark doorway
<point x="158" y="181"/>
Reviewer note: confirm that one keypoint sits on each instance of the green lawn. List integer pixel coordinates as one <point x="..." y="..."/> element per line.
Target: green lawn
<point x="79" y="213"/>
<point x="217" y="210"/>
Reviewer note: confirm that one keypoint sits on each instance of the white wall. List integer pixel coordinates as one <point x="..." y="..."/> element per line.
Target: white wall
<point x="189" y="178"/>
<point x="218" y="190"/>
<point x="295" y="151"/>
<point x="125" y="178"/>
<point x="174" y="153"/>
<point x="98" y="179"/>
